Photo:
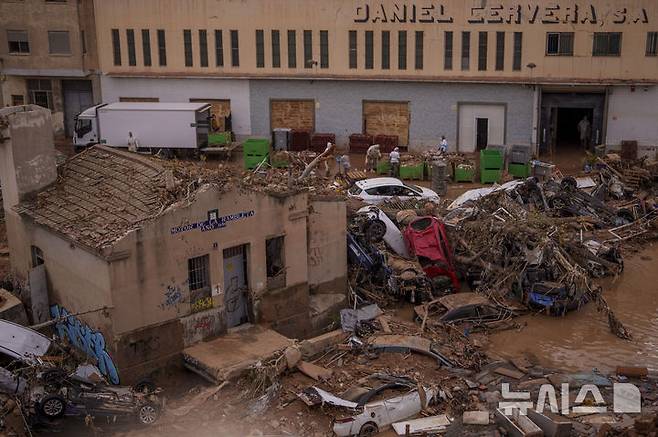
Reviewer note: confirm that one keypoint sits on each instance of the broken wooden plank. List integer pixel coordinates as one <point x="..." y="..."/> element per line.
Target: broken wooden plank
<point x="383" y="320"/>
<point x="509" y="372"/>
<point x="313" y="371"/>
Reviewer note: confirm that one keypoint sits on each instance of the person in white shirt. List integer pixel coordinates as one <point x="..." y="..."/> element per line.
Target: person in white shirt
<point x="133" y="144"/>
<point x="443" y="147"/>
<point x="394" y="159"/>
<point x="373" y="155"/>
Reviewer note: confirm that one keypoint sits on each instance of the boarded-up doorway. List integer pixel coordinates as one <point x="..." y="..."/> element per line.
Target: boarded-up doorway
<point x="220" y="112"/>
<point x="387" y="118"/>
<point x="293" y="114"/>
<point x="235" y="285"/>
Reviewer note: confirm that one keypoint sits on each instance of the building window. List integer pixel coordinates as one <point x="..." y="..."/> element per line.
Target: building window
<point x="187" y="42"/>
<point x="386" y="49"/>
<point x="275" y="263"/>
<point x="219" y="49"/>
<point x="162" y="48"/>
<point x="369" y="50"/>
<point x="500" y="51"/>
<point x="198" y="272"/>
<point x="518" y="50"/>
<point x="559" y="43"/>
<point x="17" y="100"/>
<point x="40" y="92"/>
<point x="292" y="49"/>
<point x="324" y="49"/>
<point x="130" y="39"/>
<point x="652" y="44"/>
<point x="483" y="40"/>
<point x="308" y="49"/>
<point x="18" y="42"/>
<point x="607" y="44"/>
<point x="447" y="51"/>
<point x="146" y="47"/>
<point x="59" y="42"/>
<point x="402" y="50"/>
<point x="235" y="49"/>
<point x="260" y="49"/>
<point x="37" y="256"/>
<point x="203" y="47"/>
<point x="419" y="50"/>
<point x="116" y="47"/>
<point x="466" y="50"/>
<point x="83" y="42"/>
<point x="353" y="53"/>
<point x="276" y="49"/>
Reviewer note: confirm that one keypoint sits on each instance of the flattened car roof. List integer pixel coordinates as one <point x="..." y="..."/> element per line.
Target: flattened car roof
<point x="21" y="342"/>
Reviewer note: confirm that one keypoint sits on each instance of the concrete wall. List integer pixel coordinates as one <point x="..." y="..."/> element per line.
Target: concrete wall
<point x="632" y="17"/>
<point x="182" y="90"/>
<point x="433" y="107"/>
<point x="327" y="246"/>
<point x="633" y="115"/>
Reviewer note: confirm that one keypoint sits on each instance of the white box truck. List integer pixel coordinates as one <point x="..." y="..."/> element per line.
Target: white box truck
<point x="154" y="125"/>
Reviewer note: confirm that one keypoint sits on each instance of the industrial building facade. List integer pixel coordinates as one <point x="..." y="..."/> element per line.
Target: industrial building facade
<point x="477" y="72"/>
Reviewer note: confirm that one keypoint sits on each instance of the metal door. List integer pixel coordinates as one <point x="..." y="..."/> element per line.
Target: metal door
<point x="77" y="98"/>
<point x="235" y="285"/>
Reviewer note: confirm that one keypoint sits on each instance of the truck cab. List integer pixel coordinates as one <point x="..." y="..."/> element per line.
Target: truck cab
<point x="86" y="132"/>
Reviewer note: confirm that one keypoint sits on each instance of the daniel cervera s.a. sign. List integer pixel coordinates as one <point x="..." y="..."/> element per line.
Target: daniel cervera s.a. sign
<point x="498" y="13"/>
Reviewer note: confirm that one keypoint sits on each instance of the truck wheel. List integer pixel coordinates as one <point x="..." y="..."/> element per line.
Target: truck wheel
<point x="368" y="429"/>
<point x="52" y="406"/>
<point x="148" y="414"/>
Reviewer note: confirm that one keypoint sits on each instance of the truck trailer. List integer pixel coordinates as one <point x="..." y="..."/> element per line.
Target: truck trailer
<point x="155" y="125"/>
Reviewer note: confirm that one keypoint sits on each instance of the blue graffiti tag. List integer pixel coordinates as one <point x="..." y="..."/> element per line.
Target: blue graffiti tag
<point x="87" y="340"/>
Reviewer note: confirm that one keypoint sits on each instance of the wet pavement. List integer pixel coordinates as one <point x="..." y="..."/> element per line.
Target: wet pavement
<point x="581" y="340"/>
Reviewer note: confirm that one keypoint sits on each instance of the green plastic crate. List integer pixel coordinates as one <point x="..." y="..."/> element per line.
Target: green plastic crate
<point x="219" y="138"/>
<point x="491" y="159"/>
<point x="383" y="167"/>
<point x="412" y="171"/>
<point x="519" y="170"/>
<point x="489" y="176"/>
<point x="464" y="174"/>
<point x="256" y="146"/>
<point x="252" y="161"/>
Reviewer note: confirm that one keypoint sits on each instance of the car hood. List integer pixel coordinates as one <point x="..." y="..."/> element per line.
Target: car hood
<point x="428" y="193"/>
<point x="22" y="343"/>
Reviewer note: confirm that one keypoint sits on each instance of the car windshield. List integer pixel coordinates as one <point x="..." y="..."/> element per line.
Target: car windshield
<point x="416" y="188"/>
<point x="354" y="190"/>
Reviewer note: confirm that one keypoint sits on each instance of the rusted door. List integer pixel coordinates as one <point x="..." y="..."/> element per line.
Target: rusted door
<point x="387" y="118"/>
<point x="219" y="110"/>
<point x="235" y="285"/>
<point x="293" y="114"/>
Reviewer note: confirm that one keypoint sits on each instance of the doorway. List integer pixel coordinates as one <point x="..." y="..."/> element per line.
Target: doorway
<point x="236" y="285"/>
<point x="567" y="135"/>
<point x="481" y="133"/>
<point x="77" y="98"/>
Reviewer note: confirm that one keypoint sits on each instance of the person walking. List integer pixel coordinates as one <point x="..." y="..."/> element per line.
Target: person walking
<point x="443" y="146"/>
<point x="394" y="160"/>
<point x="585" y="132"/>
<point x="133" y="143"/>
<point x="373" y="155"/>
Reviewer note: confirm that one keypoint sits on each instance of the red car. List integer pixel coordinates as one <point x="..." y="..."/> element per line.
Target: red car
<point x="426" y="238"/>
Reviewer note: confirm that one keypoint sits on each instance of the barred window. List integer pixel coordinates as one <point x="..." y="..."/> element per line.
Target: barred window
<point x="447" y="51"/>
<point x="352" y="51"/>
<point x="652" y="44"/>
<point x="466" y="50"/>
<point x="219" y="48"/>
<point x="402" y="50"/>
<point x="386" y="49"/>
<point x="324" y="49"/>
<point x="162" y="48"/>
<point x="187" y="41"/>
<point x="146" y="47"/>
<point x="260" y="49"/>
<point x="559" y="43"/>
<point x="203" y="47"/>
<point x="198" y="270"/>
<point x="607" y="44"/>
<point x="276" y="49"/>
<point x="292" y="49"/>
<point x="518" y="50"/>
<point x="419" y="50"/>
<point x="130" y="38"/>
<point x="369" y="50"/>
<point x="500" y="51"/>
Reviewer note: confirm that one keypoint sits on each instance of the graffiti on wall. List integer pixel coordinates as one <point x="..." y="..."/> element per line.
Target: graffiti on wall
<point x="88" y="340"/>
<point x="498" y="13"/>
<point x="202" y="304"/>
<point x="173" y="295"/>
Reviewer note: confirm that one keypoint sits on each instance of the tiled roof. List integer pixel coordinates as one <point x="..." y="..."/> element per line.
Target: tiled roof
<point x="100" y="195"/>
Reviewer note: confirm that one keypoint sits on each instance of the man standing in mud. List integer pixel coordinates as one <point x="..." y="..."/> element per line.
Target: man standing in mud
<point x="585" y="132"/>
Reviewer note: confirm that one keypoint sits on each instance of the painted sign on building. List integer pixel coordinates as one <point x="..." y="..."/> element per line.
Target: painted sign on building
<point x="209" y="225"/>
<point x="499" y="13"/>
<point x="88" y="340"/>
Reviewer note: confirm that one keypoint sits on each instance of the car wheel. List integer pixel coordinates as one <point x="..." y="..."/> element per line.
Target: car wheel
<point x="145" y="386"/>
<point x="375" y="231"/>
<point x="368" y="429"/>
<point x="148" y="414"/>
<point x="52" y="406"/>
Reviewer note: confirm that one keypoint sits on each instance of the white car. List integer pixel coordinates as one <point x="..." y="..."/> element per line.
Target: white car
<point x="377" y="190"/>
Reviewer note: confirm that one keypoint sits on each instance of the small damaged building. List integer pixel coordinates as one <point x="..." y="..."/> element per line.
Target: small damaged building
<point x="151" y="257"/>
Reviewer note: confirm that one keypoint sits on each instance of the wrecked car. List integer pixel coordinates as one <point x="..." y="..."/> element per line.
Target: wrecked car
<point x="376" y="226"/>
<point x="376" y="190"/>
<point x="86" y="392"/>
<point x="426" y="238"/>
<point x="463" y="307"/>
<point x="361" y="415"/>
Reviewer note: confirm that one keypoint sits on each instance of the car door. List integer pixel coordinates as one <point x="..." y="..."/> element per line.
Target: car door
<point x="375" y="195"/>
